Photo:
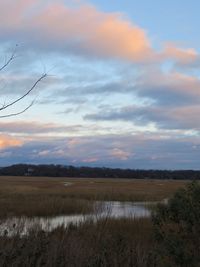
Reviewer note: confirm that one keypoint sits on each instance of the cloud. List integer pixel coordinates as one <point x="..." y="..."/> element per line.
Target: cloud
<point x="81" y="29"/>
<point x="143" y="93"/>
<point x="129" y="151"/>
<point x="166" y="100"/>
<point x="8" y="141"/>
<point x="171" y="89"/>
<point x="119" y="154"/>
<point x="89" y="160"/>
<point x="33" y="127"/>
<point x="148" y="85"/>
<point x="173" y="118"/>
<point x="183" y="56"/>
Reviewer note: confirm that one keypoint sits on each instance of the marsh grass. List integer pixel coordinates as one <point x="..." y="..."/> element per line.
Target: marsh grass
<point x="104" y="242"/>
<point x="32" y="205"/>
<point x="42" y="196"/>
<point x="107" y="242"/>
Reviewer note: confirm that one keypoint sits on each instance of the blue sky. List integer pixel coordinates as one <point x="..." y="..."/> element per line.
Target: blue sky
<point x="164" y="20"/>
<point x="123" y="84"/>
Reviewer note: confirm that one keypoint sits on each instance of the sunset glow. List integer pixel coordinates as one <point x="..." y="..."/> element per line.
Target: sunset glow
<point x="122" y="86"/>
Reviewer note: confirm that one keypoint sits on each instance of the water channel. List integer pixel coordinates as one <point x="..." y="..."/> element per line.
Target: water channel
<point x="112" y="209"/>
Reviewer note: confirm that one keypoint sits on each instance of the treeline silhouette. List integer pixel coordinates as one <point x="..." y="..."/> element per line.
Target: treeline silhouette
<point x="96" y="172"/>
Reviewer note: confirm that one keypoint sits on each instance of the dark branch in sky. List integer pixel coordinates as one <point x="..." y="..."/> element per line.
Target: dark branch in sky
<point x="12" y="103"/>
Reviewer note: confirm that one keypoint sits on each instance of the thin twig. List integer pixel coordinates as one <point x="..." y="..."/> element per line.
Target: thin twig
<point x="12" y="57"/>
<point x="17" y="113"/>
<point x="23" y="96"/>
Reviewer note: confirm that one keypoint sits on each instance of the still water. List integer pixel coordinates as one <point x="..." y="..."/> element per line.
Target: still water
<point x="112" y="209"/>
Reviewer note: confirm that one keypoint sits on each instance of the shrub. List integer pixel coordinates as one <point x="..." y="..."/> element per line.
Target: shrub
<point x="177" y="228"/>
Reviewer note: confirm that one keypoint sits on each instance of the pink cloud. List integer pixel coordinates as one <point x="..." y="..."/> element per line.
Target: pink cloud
<point x="187" y="116"/>
<point x="13" y="13"/>
<point x="154" y="83"/>
<point x="119" y="154"/>
<point x="8" y="141"/>
<point x="181" y="55"/>
<point x="82" y="29"/>
<point x="90" y="160"/>
<point x="93" y="32"/>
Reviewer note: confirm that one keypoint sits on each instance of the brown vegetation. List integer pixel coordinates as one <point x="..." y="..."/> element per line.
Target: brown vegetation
<point x="109" y="242"/>
<point x="42" y="196"/>
<point x="101" y="242"/>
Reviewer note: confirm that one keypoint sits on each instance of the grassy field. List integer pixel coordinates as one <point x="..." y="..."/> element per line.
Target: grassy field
<point x="42" y="196"/>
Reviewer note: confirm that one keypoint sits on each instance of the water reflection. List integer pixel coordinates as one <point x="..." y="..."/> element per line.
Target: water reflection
<point x="112" y="209"/>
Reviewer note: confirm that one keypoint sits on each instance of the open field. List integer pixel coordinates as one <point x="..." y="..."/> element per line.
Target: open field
<point x="43" y="196"/>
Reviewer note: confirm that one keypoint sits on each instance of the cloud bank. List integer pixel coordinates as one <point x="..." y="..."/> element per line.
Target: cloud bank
<point x="116" y="101"/>
<point x="84" y="30"/>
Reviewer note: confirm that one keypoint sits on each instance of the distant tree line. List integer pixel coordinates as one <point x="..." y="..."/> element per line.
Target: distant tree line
<point x="96" y="172"/>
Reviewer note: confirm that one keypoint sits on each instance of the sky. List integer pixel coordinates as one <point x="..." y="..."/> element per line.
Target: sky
<point x="122" y="88"/>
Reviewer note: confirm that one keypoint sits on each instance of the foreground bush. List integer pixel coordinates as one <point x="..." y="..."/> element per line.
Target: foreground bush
<point x="109" y="242"/>
<point x="177" y="229"/>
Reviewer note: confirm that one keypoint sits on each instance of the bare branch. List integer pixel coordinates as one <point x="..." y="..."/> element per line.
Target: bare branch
<point x="11" y="58"/>
<point x="23" y="96"/>
<point x="17" y="113"/>
<point x="13" y="102"/>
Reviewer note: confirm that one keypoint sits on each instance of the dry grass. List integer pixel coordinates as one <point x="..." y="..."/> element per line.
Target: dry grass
<point x="124" y="189"/>
<point x="42" y="196"/>
<point x="109" y="242"/>
<point x="111" y="189"/>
